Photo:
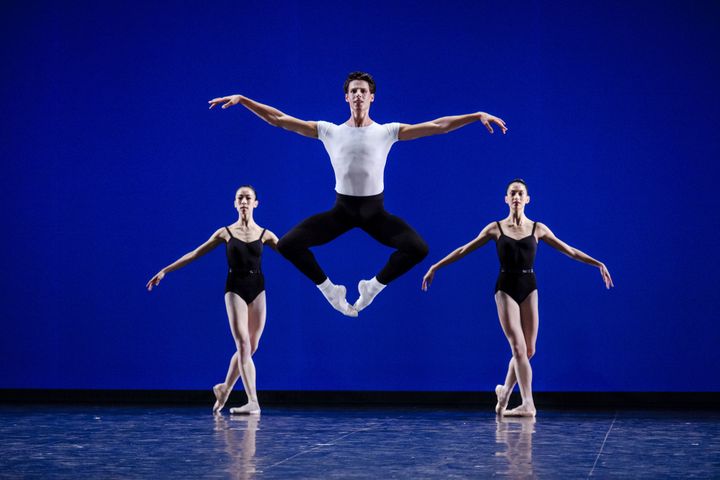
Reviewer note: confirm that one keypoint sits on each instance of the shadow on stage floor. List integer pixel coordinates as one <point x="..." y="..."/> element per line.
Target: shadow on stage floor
<point x="189" y="442"/>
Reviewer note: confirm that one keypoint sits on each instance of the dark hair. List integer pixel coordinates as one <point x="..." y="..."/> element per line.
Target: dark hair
<point x="517" y="180"/>
<point x="359" y="76"/>
<point x="247" y="186"/>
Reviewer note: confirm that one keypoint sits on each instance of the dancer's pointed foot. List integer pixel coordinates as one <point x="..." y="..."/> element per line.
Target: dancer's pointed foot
<point x="368" y="290"/>
<point x="250" y="408"/>
<point x="502" y="399"/>
<point x="521" y="411"/>
<point x="221" y="395"/>
<point x="335" y="295"/>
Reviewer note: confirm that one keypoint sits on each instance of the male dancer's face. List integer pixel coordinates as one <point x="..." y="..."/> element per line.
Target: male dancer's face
<point x="359" y="96"/>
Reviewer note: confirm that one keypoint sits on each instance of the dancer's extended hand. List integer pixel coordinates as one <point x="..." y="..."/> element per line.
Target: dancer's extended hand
<point x="427" y="279"/>
<point x="155" y="281"/>
<point x="487" y="120"/>
<point x="606" y="276"/>
<point x="227" y="102"/>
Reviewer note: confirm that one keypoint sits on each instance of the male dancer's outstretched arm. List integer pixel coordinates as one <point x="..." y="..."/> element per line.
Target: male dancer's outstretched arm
<point x="335" y="294"/>
<point x="448" y="124"/>
<point x="271" y="115"/>
<point x="358" y="162"/>
<point x="277" y="118"/>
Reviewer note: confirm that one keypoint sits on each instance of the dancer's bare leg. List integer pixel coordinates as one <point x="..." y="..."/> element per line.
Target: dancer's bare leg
<point x="529" y="319"/>
<point x="238" y="313"/>
<point x="236" y="308"/>
<point x="256" y="321"/>
<point x="509" y="313"/>
<point x="222" y="390"/>
<point x="257" y="313"/>
<point x="503" y="392"/>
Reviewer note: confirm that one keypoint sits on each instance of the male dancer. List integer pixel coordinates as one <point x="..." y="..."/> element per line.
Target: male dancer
<point x="358" y="151"/>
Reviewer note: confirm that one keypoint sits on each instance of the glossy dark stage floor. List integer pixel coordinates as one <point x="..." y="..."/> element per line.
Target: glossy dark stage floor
<point x="137" y="442"/>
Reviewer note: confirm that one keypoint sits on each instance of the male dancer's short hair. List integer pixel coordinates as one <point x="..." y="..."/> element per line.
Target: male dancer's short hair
<point x="359" y="76"/>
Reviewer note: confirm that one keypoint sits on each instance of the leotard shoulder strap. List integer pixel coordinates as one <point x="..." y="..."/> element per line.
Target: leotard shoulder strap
<point x="500" y="227"/>
<point x="229" y="232"/>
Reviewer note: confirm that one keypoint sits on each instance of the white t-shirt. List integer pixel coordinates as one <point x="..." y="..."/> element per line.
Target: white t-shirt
<point x="358" y="155"/>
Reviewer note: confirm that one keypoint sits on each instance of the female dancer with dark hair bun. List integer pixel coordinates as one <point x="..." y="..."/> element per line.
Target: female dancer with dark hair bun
<point x="244" y="293"/>
<point x="516" y="292"/>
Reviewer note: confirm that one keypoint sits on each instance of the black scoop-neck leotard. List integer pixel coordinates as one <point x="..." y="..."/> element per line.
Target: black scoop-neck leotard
<point x="244" y="275"/>
<point x="517" y="277"/>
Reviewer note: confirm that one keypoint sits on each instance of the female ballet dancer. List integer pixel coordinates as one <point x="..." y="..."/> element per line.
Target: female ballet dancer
<point x="244" y="293"/>
<point x="516" y="293"/>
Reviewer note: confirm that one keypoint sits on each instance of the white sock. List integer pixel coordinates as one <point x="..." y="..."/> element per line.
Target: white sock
<point x="326" y="286"/>
<point x="368" y="291"/>
<point x="335" y="295"/>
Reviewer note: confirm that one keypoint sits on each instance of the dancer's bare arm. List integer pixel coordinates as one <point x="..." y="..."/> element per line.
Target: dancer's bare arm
<point x="271" y="115"/>
<point x="448" y="124"/>
<point x="544" y="233"/>
<point x="487" y="233"/>
<point x="215" y="240"/>
<point x="270" y="239"/>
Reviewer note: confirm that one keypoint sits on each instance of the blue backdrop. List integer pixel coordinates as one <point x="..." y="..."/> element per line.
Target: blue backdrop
<point x="113" y="167"/>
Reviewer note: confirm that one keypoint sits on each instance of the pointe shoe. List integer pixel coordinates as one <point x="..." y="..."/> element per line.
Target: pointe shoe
<point x="247" y="409"/>
<point x="520" y="412"/>
<point x="220" y="397"/>
<point x="501" y="404"/>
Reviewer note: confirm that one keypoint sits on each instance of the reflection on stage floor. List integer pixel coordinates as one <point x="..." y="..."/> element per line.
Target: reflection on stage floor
<point x="135" y="442"/>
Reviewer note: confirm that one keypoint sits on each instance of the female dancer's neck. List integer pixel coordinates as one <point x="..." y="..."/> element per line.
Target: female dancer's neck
<point x="245" y="222"/>
<point x="517" y="218"/>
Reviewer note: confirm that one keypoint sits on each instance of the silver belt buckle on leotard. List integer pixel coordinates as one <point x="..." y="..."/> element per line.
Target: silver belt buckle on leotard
<point x="244" y="272"/>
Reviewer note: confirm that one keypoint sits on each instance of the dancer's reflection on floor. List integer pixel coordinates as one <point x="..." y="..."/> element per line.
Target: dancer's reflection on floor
<point x="516" y="434"/>
<point x="238" y="433"/>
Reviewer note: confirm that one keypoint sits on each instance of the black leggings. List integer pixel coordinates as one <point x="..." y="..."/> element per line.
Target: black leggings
<point x="367" y="213"/>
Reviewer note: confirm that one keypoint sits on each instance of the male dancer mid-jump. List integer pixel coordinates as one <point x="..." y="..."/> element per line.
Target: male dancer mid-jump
<point x="358" y="151"/>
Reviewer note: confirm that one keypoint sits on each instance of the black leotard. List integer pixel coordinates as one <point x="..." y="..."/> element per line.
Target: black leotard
<point x="517" y="277"/>
<point x="244" y="275"/>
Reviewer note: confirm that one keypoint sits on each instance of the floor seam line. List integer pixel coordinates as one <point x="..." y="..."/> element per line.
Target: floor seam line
<point x="316" y="447"/>
<point x="607" y="434"/>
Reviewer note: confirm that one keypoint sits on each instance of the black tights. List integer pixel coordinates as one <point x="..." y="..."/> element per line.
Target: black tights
<point x="367" y="213"/>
